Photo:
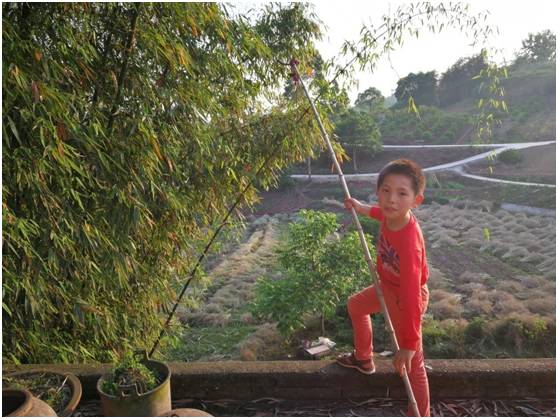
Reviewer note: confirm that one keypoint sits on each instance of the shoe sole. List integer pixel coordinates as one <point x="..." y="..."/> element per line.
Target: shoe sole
<point x="365" y="372"/>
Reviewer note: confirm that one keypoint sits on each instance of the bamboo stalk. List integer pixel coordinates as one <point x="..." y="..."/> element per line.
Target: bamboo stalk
<point x="363" y="243"/>
<point x="124" y="68"/>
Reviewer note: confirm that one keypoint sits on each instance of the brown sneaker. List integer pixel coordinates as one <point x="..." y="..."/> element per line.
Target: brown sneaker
<point x="348" y="360"/>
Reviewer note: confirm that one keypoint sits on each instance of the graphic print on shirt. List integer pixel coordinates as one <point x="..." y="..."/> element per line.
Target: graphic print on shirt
<point x="390" y="258"/>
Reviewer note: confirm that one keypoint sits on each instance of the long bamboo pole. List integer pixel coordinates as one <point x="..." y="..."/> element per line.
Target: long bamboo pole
<point x="367" y="256"/>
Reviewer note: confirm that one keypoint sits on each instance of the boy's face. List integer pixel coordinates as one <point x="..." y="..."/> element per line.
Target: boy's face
<point x="396" y="196"/>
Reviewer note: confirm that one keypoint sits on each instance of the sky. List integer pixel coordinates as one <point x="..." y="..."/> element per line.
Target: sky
<point x="514" y="19"/>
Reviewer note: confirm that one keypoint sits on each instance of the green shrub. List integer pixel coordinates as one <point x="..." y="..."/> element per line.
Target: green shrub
<point x="369" y="225"/>
<point x="427" y="136"/>
<point x="476" y="331"/>
<point x="513" y="157"/>
<point x="130" y="371"/>
<point x="436" y="340"/>
<point x="285" y="180"/>
<point x="454" y="185"/>
<point x="321" y="269"/>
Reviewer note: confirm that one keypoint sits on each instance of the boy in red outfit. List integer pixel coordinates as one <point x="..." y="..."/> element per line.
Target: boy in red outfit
<point x="403" y="272"/>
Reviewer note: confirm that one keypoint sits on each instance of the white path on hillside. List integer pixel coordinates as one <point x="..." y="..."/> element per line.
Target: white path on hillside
<point x="476" y="145"/>
<point x="459" y="170"/>
<point x="456" y="166"/>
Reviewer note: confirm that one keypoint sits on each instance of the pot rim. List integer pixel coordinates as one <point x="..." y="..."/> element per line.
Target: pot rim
<point x="25" y="406"/>
<point x="73" y="382"/>
<point x="111" y="397"/>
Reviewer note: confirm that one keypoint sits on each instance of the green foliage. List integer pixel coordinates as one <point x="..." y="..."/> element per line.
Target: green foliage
<point x="421" y="87"/>
<point x="359" y="132"/>
<point x="320" y="270"/>
<point x="128" y="130"/>
<point x="200" y="343"/>
<point x="458" y="82"/>
<point x="539" y="47"/>
<point x="130" y="371"/>
<point x="369" y="225"/>
<point x="510" y="157"/>
<point x="371" y="101"/>
<point x="483" y="338"/>
<point x="434" y="125"/>
<point x="525" y="336"/>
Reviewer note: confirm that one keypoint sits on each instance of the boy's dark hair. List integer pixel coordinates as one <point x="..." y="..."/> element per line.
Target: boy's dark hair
<point x="405" y="167"/>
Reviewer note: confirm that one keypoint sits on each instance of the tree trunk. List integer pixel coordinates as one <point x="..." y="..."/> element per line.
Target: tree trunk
<point x="322" y="318"/>
<point x="354" y="158"/>
<point x="309" y="168"/>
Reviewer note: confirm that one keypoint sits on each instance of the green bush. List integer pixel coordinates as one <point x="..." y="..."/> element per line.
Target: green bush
<point x="369" y="225"/>
<point x="436" y="341"/>
<point x="130" y="371"/>
<point x="285" y="180"/>
<point x="321" y="269"/>
<point x="476" y="331"/>
<point x="512" y="157"/>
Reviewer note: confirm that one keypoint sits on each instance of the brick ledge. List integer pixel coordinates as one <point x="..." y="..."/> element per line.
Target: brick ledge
<point x="323" y="380"/>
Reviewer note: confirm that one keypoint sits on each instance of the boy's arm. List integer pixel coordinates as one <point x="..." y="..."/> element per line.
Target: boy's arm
<point x="410" y="297"/>
<point x="360" y="208"/>
<point x="372" y="211"/>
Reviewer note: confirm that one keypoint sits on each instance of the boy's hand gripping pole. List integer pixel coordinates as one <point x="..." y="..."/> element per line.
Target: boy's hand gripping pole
<point x="389" y="326"/>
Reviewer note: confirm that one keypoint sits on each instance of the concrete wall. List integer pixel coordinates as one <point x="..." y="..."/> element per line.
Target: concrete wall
<point x="323" y="380"/>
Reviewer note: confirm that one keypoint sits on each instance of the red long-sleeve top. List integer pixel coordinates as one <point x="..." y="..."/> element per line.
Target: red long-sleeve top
<point x="402" y="267"/>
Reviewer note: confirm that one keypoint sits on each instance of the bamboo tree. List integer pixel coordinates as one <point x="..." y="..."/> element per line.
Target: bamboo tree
<point x="127" y="132"/>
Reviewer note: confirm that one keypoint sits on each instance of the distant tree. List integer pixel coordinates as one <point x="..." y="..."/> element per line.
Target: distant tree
<point x="371" y="100"/>
<point x="538" y="47"/>
<point x="359" y="131"/>
<point x="420" y="86"/>
<point x="458" y="82"/>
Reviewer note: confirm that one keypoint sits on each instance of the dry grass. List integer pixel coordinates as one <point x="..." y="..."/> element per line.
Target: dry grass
<point x="544" y="306"/>
<point x="445" y="305"/>
<point x="507" y="305"/>
<point x="264" y="344"/>
<point x="437" y="280"/>
<point x="236" y="275"/>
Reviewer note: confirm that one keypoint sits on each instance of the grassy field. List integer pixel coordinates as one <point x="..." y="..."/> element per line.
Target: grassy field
<point x="492" y="282"/>
<point x="492" y="273"/>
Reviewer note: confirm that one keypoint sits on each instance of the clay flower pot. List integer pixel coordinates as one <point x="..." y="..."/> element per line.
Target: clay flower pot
<point x="70" y="380"/>
<point x="20" y="402"/>
<point x="128" y="402"/>
<point x="185" y="412"/>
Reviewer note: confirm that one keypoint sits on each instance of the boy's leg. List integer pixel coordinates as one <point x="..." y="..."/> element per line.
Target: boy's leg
<point x="417" y="376"/>
<point x="360" y="306"/>
<point x="419" y="384"/>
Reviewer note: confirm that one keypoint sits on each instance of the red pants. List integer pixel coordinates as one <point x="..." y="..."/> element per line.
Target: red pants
<point x="366" y="302"/>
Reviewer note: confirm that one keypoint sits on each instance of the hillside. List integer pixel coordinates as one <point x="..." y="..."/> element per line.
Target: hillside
<point x="530" y="94"/>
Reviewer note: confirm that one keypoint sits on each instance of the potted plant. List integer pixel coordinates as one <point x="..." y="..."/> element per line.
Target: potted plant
<point x="62" y="392"/>
<point x="136" y="386"/>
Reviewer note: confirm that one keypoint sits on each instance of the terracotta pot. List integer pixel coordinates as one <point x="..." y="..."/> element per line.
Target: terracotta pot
<point x="17" y="402"/>
<point x="72" y="381"/>
<point x="130" y="403"/>
<point x="186" y="412"/>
